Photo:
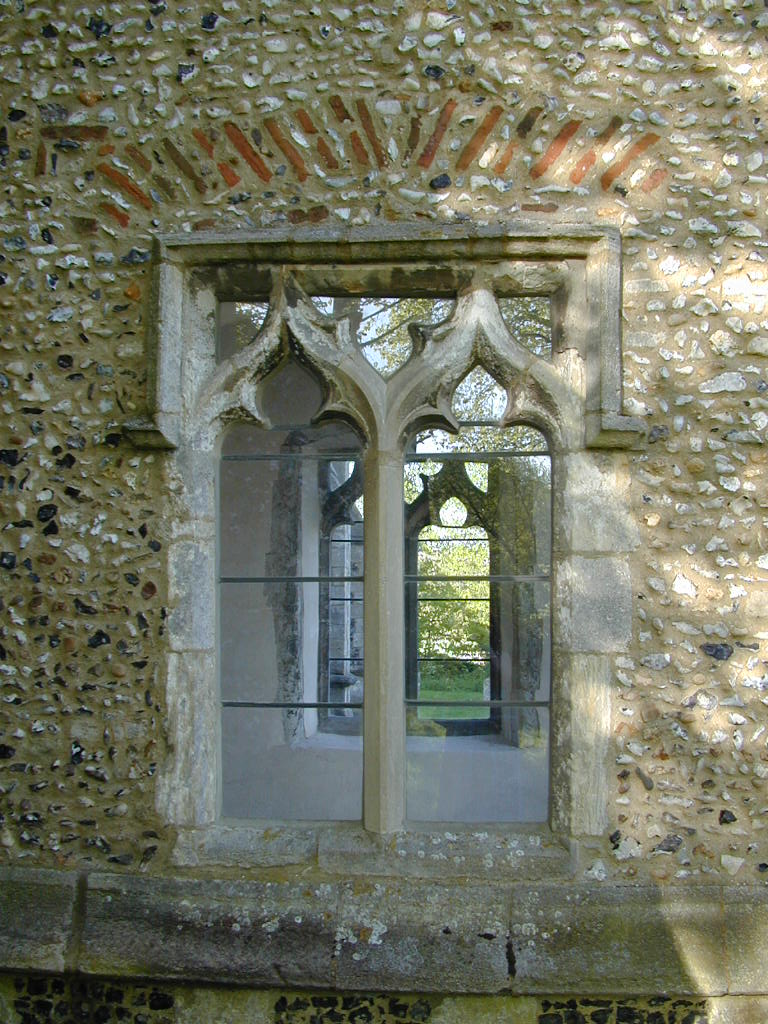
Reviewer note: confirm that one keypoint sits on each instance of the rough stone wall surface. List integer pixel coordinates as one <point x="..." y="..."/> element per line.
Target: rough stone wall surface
<point x="35" y="999"/>
<point x="130" y="119"/>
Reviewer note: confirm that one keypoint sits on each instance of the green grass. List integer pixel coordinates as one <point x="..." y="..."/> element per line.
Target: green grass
<point x="461" y="684"/>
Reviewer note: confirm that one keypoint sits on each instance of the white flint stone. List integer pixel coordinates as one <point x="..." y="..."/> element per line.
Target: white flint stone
<point x="729" y="381"/>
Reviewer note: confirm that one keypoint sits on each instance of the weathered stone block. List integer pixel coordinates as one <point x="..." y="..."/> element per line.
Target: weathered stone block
<point x="260" y="933"/>
<point x="36" y="911"/>
<point x="593" y="604"/>
<point x="405" y="937"/>
<point x="617" y="939"/>
<point x="746" y="939"/>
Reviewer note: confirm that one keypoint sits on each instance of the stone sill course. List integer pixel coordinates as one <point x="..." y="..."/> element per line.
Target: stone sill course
<point x="391" y="934"/>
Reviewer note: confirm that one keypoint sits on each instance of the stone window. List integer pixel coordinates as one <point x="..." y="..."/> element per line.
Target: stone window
<point x="440" y="391"/>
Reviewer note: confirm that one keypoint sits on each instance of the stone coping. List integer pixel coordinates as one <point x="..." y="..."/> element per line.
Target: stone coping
<point x="389" y="934"/>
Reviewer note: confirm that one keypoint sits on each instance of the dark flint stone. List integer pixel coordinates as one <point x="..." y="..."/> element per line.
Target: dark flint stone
<point x="16" y="115"/>
<point x="441" y="181"/>
<point x="6" y="752"/>
<point x="720" y="652"/>
<point x="51" y="529"/>
<point x="64" y="362"/>
<point x="99" y="638"/>
<point x="46" y="513"/>
<point x="669" y="844"/>
<point x="657" y="433"/>
<point x="434" y="71"/>
<point x="184" y="71"/>
<point x="726" y="817"/>
<point x="208" y="21"/>
<point x="7" y="560"/>
<point x="49" y="31"/>
<point x="77" y="753"/>
<point x="99" y="27"/>
<point x="83" y="608"/>
<point x="53" y="113"/>
<point x="160" y="1000"/>
<point x="135" y="256"/>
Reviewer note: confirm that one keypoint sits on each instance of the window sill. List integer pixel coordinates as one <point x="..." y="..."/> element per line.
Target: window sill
<point x="496" y="853"/>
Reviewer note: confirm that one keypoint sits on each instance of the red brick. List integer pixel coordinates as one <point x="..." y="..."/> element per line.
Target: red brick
<point x="368" y="126"/>
<point x="555" y="149"/>
<point x="287" y="147"/>
<point x="185" y="166"/>
<point x="473" y="146"/>
<point x="428" y="153"/>
<point x="125" y="184"/>
<point x="247" y="152"/>
<point x="203" y="141"/>
<point x="619" y="166"/>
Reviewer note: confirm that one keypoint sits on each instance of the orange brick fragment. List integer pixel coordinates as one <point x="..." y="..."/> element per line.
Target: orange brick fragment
<point x="555" y="148"/>
<point x="230" y="176"/>
<point x="337" y="106"/>
<point x="428" y="153"/>
<point x="413" y="138"/>
<point x="138" y="158"/>
<point x="90" y="99"/>
<point x="503" y="162"/>
<point x="41" y="160"/>
<point x="106" y="150"/>
<point x="184" y="166"/>
<point x="635" y="150"/>
<point x="654" y="179"/>
<point x="367" y="122"/>
<point x="359" y="149"/>
<point x="306" y="122"/>
<point x="327" y="154"/>
<point x="472" y="148"/>
<point x="203" y="141"/>
<point x="125" y="184"/>
<point x="246" y="151"/>
<point x="311" y="216"/>
<point x="133" y="291"/>
<point x="589" y="159"/>
<point x="78" y="132"/>
<point x="287" y="147"/>
<point x="119" y="215"/>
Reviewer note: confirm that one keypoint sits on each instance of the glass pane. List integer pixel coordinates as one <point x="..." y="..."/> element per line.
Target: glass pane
<point x="493" y="770"/>
<point x="289" y="764"/>
<point x="454" y="681"/>
<point x="479" y="397"/>
<point x="239" y="323"/>
<point x="331" y="438"/>
<point x="291" y="642"/>
<point x="271" y="515"/>
<point x="290" y="395"/>
<point x="381" y="325"/>
<point x="468" y="440"/>
<point x="447" y="552"/>
<point x="472" y="646"/>
<point x="529" y="319"/>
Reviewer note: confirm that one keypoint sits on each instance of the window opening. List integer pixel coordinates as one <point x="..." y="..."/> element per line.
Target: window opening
<point x="382" y="326"/>
<point x="290" y="610"/>
<point x="477" y="610"/>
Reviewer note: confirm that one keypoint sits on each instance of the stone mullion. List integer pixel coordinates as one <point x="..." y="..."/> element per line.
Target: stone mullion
<point x="384" y="714"/>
